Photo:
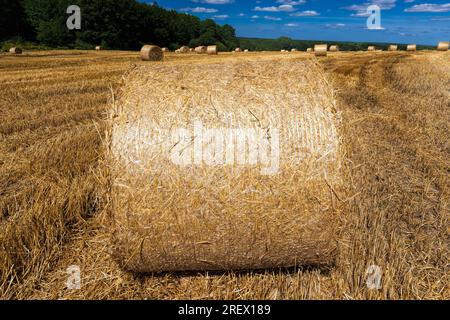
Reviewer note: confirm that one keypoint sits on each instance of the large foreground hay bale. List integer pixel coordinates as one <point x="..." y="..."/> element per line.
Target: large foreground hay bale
<point x="371" y="48"/>
<point x="411" y="47"/>
<point x="393" y="47"/>
<point x="187" y="192"/>
<point x="212" y="50"/>
<point x="443" y="46"/>
<point x="15" y="50"/>
<point x="320" y="50"/>
<point x="334" y="48"/>
<point x="151" y="53"/>
<point x="201" y="49"/>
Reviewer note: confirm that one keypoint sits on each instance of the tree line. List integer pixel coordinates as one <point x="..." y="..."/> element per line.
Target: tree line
<point x="113" y="24"/>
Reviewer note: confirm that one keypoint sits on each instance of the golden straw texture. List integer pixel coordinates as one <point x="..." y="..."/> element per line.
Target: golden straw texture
<point x="215" y="216"/>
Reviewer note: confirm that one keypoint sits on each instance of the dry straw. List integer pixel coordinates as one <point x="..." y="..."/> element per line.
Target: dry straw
<point x="212" y="50"/>
<point x="15" y="50"/>
<point x="334" y="48"/>
<point x="411" y="47"/>
<point x="443" y="46"/>
<point x="393" y="47"/>
<point x="172" y="217"/>
<point x="151" y="53"/>
<point x="201" y="49"/>
<point x="320" y="50"/>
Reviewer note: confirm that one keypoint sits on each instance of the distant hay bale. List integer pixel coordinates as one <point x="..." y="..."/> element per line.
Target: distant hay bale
<point x="237" y="50"/>
<point x="165" y="49"/>
<point x="393" y="47"/>
<point x="443" y="46"/>
<point x="211" y="50"/>
<point x="201" y="49"/>
<point x="98" y="48"/>
<point x="15" y="50"/>
<point x="309" y="50"/>
<point x="411" y="47"/>
<point x="293" y="50"/>
<point x="246" y="50"/>
<point x="334" y="48"/>
<point x="187" y="193"/>
<point x="184" y="49"/>
<point x="151" y="53"/>
<point x="371" y="48"/>
<point x="320" y="50"/>
<point x="191" y="49"/>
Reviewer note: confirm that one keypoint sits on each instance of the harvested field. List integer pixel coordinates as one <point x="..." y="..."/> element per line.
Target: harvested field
<point x="395" y="126"/>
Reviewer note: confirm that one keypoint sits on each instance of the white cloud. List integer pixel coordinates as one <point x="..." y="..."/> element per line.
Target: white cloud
<point x="200" y="10"/>
<point x="361" y="9"/>
<point x="307" y="13"/>
<point x="213" y="1"/>
<point x="291" y="25"/>
<point x="291" y="2"/>
<point x="429" y="7"/>
<point x="280" y="8"/>
<point x="272" y="18"/>
<point x="255" y="17"/>
<point x="221" y="16"/>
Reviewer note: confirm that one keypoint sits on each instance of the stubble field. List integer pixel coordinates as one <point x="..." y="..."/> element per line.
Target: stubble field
<point x="54" y="203"/>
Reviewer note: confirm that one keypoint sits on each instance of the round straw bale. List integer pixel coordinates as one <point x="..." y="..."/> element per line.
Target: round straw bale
<point x="443" y="46"/>
<point x="165" y="49"/>
<point x="334" y="48"/>
<point x="15" y="50"/>
<point x="238" y="179"/>
<point x="191" y="49"/>
<point x="293" y="50"/>
<point x="98" y="48"/>
<point x="393" y="47"/>
<point x="411" y="47"/>
<point x="237" y="50"/>
<point x="309" y="50"/>
<point x="246" y="50"/>
<point x="320" y="50"/>
<point x="201" y="49"/>
<point x="151" y="53"/>
<point x="212" y="50"/>
<point x="184" y="49"/>
<point x="371" y="48"/>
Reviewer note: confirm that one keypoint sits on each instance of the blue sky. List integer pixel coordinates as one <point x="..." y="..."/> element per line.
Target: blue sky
<point x="402" y="21"/>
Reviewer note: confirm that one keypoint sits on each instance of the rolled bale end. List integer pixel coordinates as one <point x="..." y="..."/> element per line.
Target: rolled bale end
<point x="212" y="50"/>
<point x="225" y="211"/>
<point x="411" y="47"/>
<point x="15" y="50"/>
<point x="201" y="49"/>
<point x="371" y="48"/>
<point x="320" y="50"/>
<point x="151" y="53"/>
<point x="443" y="46"/>
<point x="393" y="47"/>
<point x="334" y="48"/>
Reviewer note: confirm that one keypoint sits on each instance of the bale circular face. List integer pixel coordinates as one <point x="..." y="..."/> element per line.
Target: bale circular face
<point x="393" y="47"/>
<point x="151" y="53"/>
